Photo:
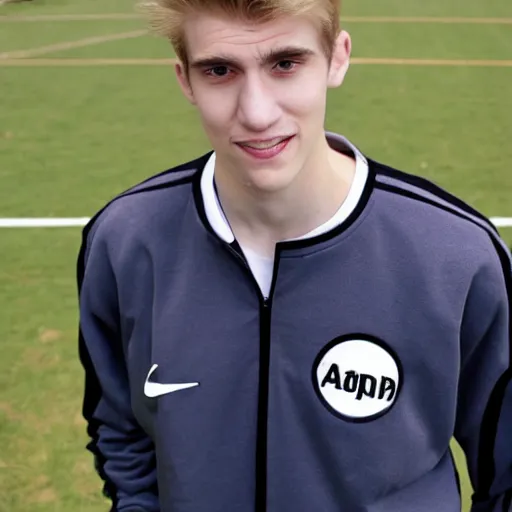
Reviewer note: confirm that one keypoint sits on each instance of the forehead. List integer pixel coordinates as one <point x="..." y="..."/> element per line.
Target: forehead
<point x="210" y="35"/>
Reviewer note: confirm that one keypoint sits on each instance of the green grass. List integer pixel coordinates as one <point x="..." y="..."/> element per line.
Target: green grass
<point x="68" y="7"/>
<point x="22" y="36"/>
<point x="71" y="138"/>
<point x="146" y="47"/>
<point x="471" y="8"/>
<point x="411" y="40"/>
<point x="431" y="41"/>
<point x="43" y="466"/>
<point x="89" y="139"/>
<point x="458" y="8"/>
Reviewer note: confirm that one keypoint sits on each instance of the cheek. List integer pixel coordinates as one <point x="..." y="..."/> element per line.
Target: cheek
<point x="215" y="111"/>
<point x="305" y="98"/>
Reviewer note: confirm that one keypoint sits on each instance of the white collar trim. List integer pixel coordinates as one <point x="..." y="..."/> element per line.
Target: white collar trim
<point x="220" y="224"/>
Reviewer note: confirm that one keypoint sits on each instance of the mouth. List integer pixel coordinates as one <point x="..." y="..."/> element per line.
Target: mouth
<point x="265" y="149"/>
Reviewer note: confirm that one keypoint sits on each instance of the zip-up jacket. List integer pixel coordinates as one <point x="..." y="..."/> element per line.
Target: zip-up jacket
<point x="380" y="340"/>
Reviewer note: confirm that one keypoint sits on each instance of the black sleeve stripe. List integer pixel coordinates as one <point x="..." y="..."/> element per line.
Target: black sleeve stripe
<point x="432" y="188"/>
<point x="488" y="430"/>
<point x="92" y="390"/>
<point x="507" y="501"/>
<point x="91" y="400"/>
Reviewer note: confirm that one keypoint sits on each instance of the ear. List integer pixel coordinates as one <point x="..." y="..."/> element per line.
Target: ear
<point x="340" y="60"/>
<point x="184" y="82"/>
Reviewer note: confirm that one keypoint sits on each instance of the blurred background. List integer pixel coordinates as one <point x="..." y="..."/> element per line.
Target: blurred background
<point x="89" y="106"/>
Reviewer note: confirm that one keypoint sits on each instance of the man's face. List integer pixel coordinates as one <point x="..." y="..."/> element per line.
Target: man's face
<point x="261" y="93"/>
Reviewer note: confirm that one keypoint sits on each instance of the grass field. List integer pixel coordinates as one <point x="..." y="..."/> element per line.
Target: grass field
<point x="72" y="136"/>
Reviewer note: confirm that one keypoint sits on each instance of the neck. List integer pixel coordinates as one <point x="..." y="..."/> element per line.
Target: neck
<point x="260" y="219"/>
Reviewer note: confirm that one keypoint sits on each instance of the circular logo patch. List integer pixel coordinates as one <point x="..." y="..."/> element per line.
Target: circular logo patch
<point x="357" y="377"/>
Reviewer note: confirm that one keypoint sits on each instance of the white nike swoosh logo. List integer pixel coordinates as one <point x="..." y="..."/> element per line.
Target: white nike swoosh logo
<point x="154" y="389"/>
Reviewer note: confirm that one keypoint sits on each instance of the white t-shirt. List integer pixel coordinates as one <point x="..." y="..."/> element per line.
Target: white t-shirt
<point x="262" y="266"/>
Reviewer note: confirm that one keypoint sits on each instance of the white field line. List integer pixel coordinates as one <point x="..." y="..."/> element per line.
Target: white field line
<point x="87" y="62"/>
<point x="426" y="19"/>
<point x="502" y="222"/>
<point x="348" y="19"/>
<point x="69" y="17"/>
<point x="67" y="45"/>
<point x="49" y="222"/>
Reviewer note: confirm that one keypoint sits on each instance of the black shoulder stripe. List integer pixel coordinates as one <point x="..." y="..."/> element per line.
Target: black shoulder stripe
<point x="198" y="163"/>
<point x="88" y="227"/>
<point x="412" y="195"/>
<point x="492" y="413"/>
<point x="158" y="186"/>
<point x="192" y="166"/>
<point x="432" y="188"/>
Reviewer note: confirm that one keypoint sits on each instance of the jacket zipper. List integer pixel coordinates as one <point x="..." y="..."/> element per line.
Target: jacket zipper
<point x="261" y="440"/>
<point x="263" y="388"/>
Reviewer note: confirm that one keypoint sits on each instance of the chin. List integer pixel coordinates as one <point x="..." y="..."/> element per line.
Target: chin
<point x="270" y="180"/>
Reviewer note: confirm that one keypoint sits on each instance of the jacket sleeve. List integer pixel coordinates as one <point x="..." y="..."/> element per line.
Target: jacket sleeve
<point x="484" y="413"/>
<point x="123" y="453"/>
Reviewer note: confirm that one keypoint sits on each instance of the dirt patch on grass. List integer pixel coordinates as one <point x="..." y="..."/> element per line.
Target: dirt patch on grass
<point x="11" y="415"/>
<point x="87" y="483"/>
<point x="45" y="496"/>
<point x="79" y="420"/>
<point x="43" y="492"/>
<point x="49" y="335"/>
<point x="37" y="358"/>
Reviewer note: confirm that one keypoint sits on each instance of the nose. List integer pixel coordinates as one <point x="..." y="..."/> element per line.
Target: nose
<point x="258" y="108"/>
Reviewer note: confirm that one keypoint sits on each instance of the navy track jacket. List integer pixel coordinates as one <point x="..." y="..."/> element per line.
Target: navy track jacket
<point x="380" y="340"/>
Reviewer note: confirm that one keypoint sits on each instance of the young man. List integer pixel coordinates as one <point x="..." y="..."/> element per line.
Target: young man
<point x="285" y="325"/>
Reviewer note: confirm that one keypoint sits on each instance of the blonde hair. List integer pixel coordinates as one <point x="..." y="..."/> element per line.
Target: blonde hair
<point x="166" y="17"/>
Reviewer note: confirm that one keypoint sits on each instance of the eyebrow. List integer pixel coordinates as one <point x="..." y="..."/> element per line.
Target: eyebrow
<point x="274" y="55"/>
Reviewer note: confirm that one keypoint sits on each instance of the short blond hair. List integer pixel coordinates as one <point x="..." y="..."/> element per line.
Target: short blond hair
<point x="166" y="17"/>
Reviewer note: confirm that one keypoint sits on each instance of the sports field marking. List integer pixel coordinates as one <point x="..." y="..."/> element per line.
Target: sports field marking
<point x="25" y="62"/>
<point x="86" y="62"/>
<point x="69" y="17"/>
<point x="427" y="19"/>
<point x="68" y="45"/>
<point x="502" y="222"/>
<point x="48" y="222"/>
<point x="433" y="62"/>
<point x="348" y="19"/>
